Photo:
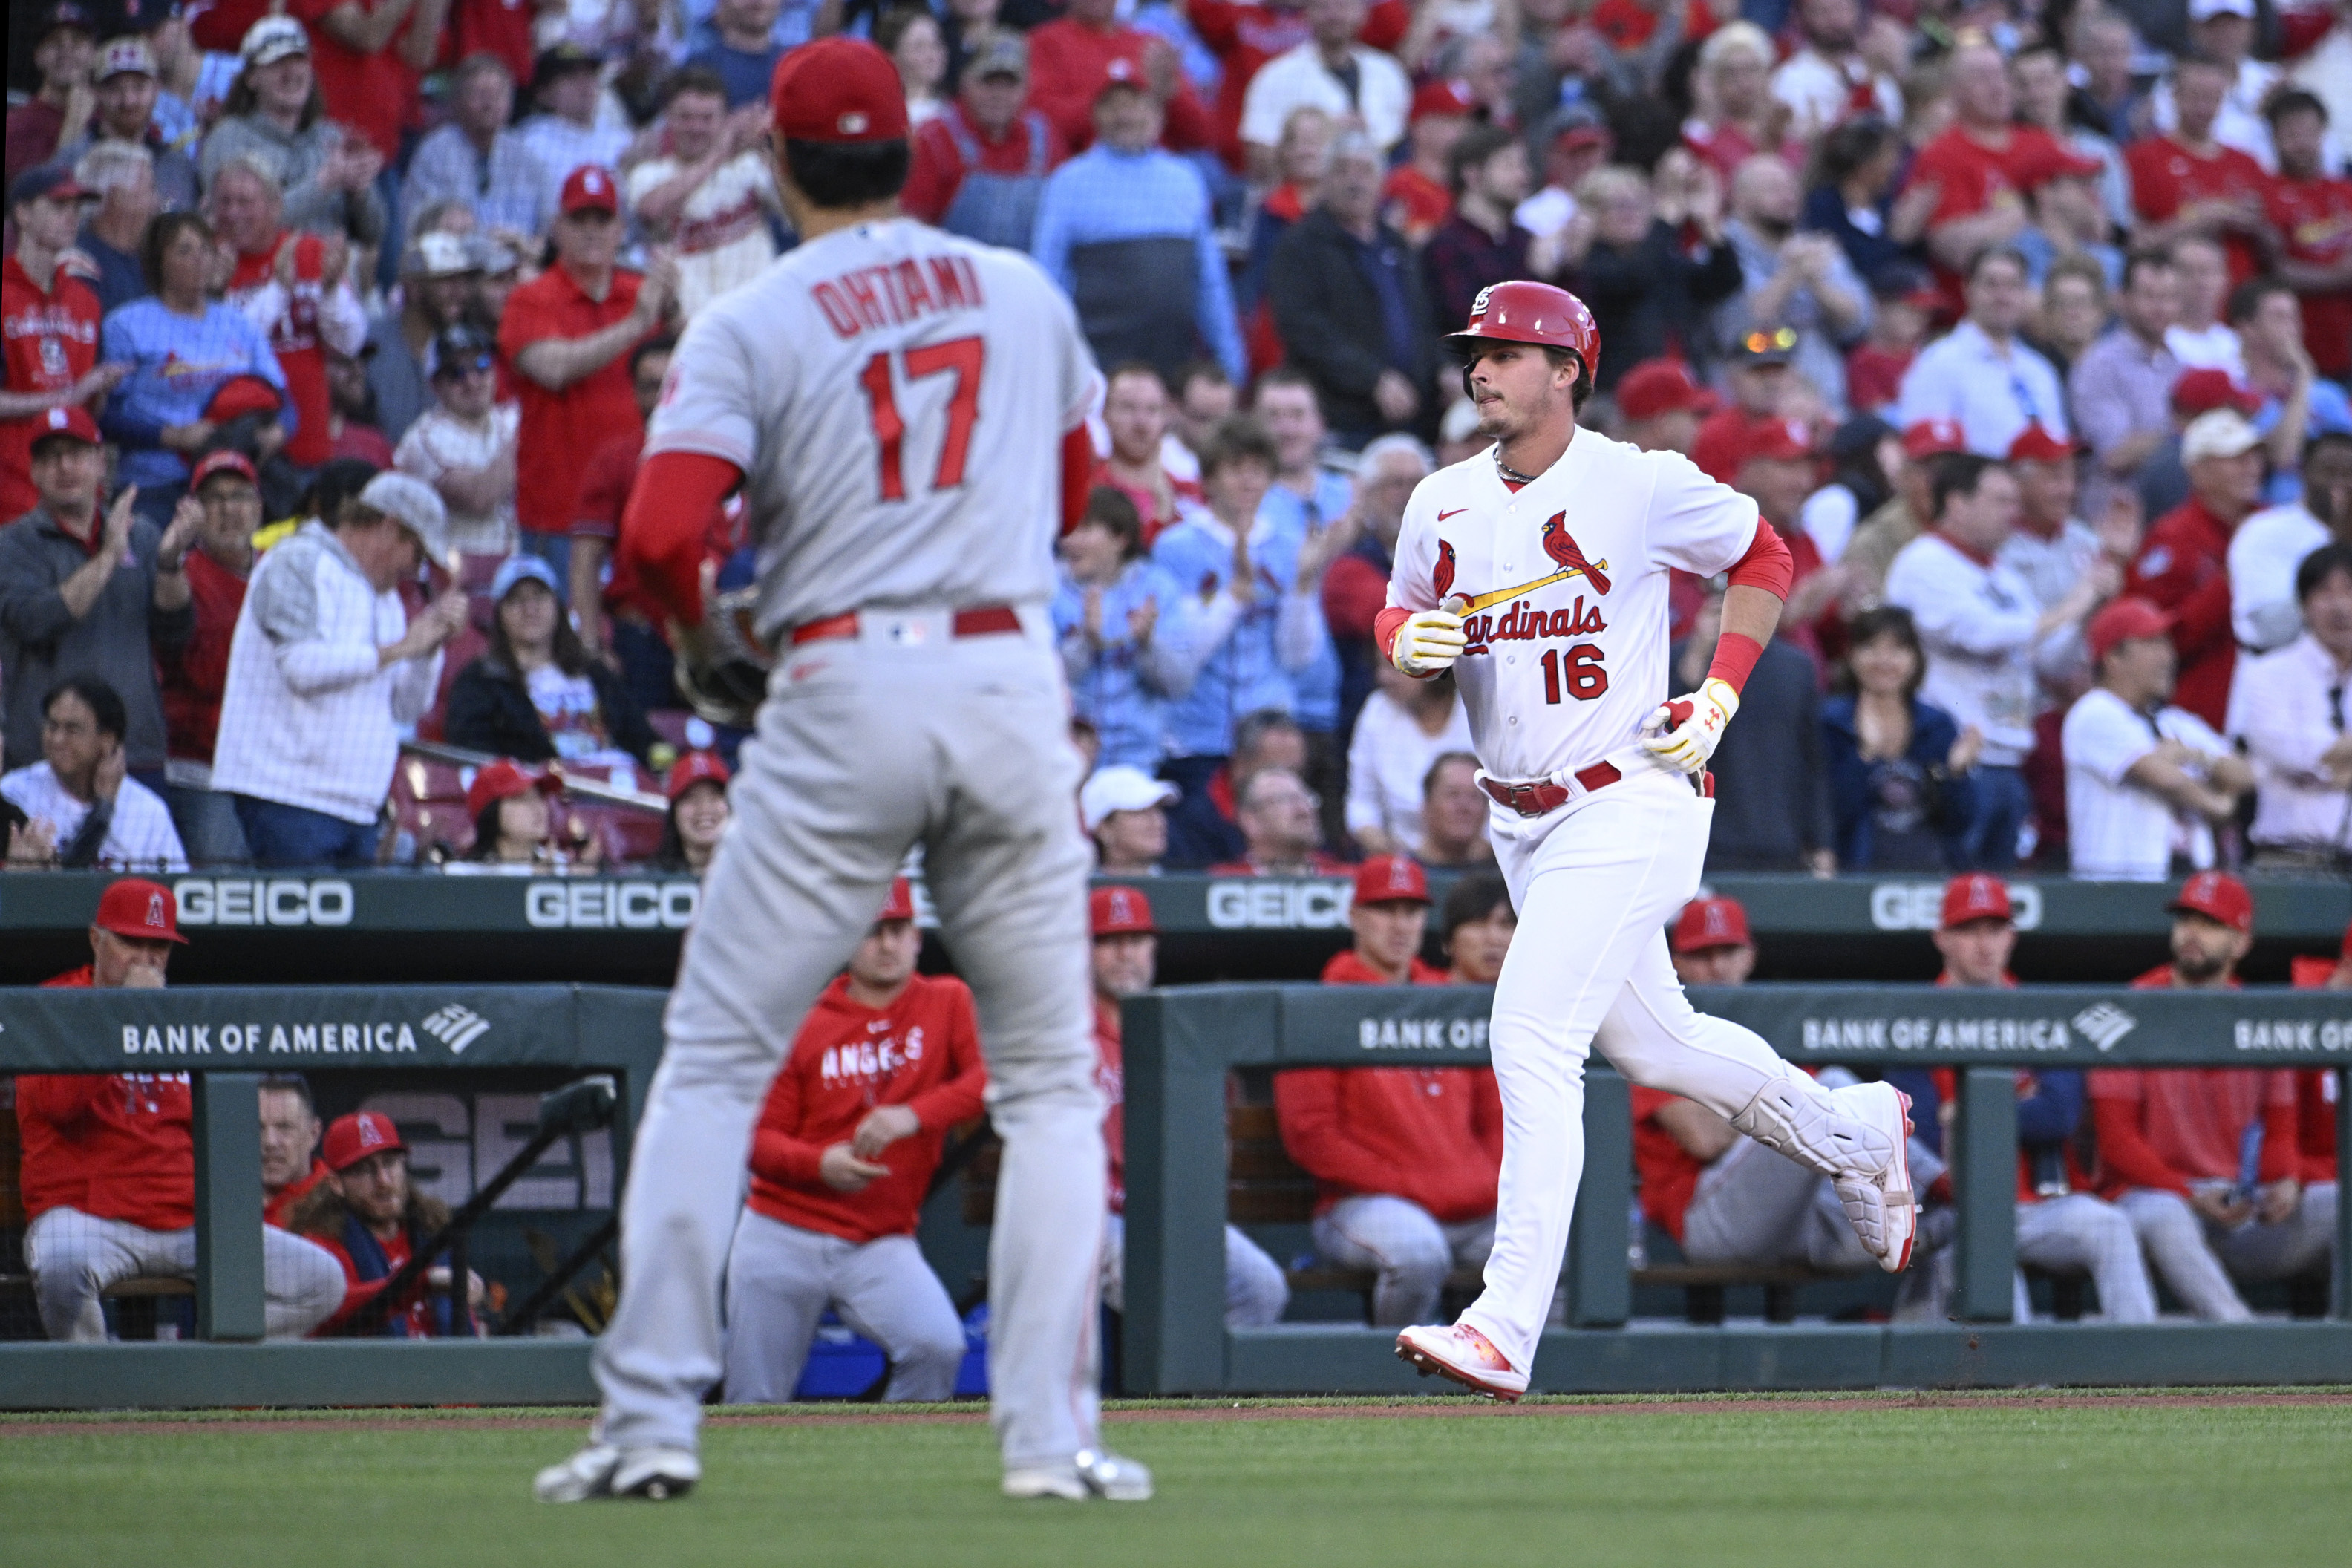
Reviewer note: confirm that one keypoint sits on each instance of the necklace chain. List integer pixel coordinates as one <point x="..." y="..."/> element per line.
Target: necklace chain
<point x="1509" y="472"/>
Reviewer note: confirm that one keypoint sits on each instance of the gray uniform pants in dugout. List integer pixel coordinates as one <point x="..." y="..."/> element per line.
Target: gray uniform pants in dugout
<point x="865" y="748"/>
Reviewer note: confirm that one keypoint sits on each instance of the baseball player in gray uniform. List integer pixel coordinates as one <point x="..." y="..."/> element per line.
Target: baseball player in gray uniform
<point x="892" y="400"/>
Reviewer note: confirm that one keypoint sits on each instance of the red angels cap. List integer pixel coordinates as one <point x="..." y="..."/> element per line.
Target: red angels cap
<point x="1447" y="97"/>
<point x="2124" y="619"/>
<point x="1392" y="879"/>
<point x="2035" y="444"/>
<point x="72" y="423"/>
<point x="2203" y="391"/>
<point x="1779" y="441"/>
<point x="224" y="461"/>
<point x="2217" y="895"/>
<point x="1933" y="438"/>
<point x="1658" y="386"/>
<point x="694" y="768"/>
<point x="504" y="778"/>
<point x="1975" y="896"/>
<point x="1709" y="921"/>
<point x="590" y="187"/>
<point x="1122" y="911"/>
<point x="838" y="90"/>
<point x="140" y="909"/>
<point x="900" y="904"/>
<point x="242" y="395"/>
<point x="351" y="1139"/>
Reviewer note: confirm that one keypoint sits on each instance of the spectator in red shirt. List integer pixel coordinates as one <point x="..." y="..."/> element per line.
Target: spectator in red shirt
<point x="1475" y="925"/>
<point x="1126" y="954"/>
<point x="980" y="164"/>
<point x="110" y="1162"/>
<point x="1136" y="411"/>
<point x="2184" y="569"/>
<point x="1070" y="57"/>
<point x="228" y="488"/>
<point x="2188" y="183"/>
<point x="1968" y="181"/>
<point x="371" y="1218"/>
<point x="64" y="43"/>
<point x="2312" y="215"/>
<point x="2206" y="1161"/>
<point x="1281" y="834"/>
<point x="1662" y="405"/>
<point x="567" y="332"/>
<point x="1405" y="1160"/>
<point x="290" y="1166"/>
<point x="887" y="1061"/>
<point x="1710" y="943"/>
<point x="49" y="316"/>
<point x="371" y="55"/>
<point x="293" y="287"/>
<point x="1420" y="190"/>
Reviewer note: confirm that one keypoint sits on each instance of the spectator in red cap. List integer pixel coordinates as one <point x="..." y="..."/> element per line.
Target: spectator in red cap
<point x="290" y="1166"/>
<point x="1420" y="190"/>
<point x="1405" y="1160"/>
<point x="2122" y="385"/>
<point x="1071" y="57"/>
<point x="1125" y="954"/>
<point x="1900" y="791"/>
<point x="2052" y="549"/>
<point x="51" y="315"/>
<point x="698" y="814"/>
<point x="1475" y="925"/>
<point x="1968" y="177"/>
<point x="513" y="809"/>
<point x="2206" y="1161"/>
<point x="1880" y="537"/>
<point x="1710" y="943"/>
<point x="110" y="1162"/>
<point x="568" y="333"/>
<point x="1903" y="303"/>
<point x="2183" y="568"/>
<point x="887" y="1061"/>
<point x="226" y="487"/>
<point x="2284" y="707"/>
<point x="1661" y="403"/>
<point x="2146" y="782"/>
<point x="1280" y="829"/>
<point x="373" y="1217"/>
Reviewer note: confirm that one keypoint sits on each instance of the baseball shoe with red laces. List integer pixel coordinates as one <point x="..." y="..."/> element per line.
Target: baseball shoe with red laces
<point x="1880" y="1204"/>
<point x="1464" y="1354"/>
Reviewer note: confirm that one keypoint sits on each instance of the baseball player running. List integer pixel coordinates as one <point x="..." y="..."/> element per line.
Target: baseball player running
<point x="1537" y="571"/>
<point x="891" y="400"/>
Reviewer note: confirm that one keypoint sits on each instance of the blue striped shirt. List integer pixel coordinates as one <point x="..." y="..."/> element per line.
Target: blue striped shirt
<point x="1317" y="686"/>
<point x="177" y="362"/>
<point x="1106" y="194"/>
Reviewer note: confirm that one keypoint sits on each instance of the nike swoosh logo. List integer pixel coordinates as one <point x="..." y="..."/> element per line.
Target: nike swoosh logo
<point x="1457" y="511"/>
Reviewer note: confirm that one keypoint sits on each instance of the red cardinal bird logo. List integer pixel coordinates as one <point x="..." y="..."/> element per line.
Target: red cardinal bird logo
<point x="1563" y="549"/>
<point x="1441" y="576"/>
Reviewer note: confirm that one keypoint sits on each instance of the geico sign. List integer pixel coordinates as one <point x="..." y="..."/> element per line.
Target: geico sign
<point x="631" y="906"/>
<point x="1919" y="906"/>
<point x="1246" y="903"/>
<point x="277" y="901"/>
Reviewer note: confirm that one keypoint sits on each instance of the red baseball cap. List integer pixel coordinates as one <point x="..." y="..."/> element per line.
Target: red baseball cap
<point x="2203" y="391"/>
<point x="1933" y="438"/>
<point x="1447" y="97"/>
<point x="73" y="422"/>
<point x="2124" y="619"/>
<point x="2217" y="895"/>
<point x="1392" y="879"/>
<point x="590" y="187"/>
<point x="1710" y="921"/>
<point x="141" y="910"/>
<point x="2035" y="444"/>
<point x="242" y="395"/>
<point x="224" y="461"/>
<point x="505" y="778"/>
<point x="1122" y="911"/>
<point x="353" y="1137"/>
<point x="1118" y="71"/>
<point x="1975" y="896"/>
<point x="1779" y="441"/>
<point x="1658" y="386"/>
<point x="838" y="90"/>
<point x="694" y="768"/>
<point x="900" y="904"/>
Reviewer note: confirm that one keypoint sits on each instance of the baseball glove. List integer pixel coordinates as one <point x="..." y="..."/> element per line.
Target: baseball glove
<point x="722" y="667"/>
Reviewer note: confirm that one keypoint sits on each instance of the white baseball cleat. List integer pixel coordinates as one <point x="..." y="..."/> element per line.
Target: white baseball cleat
<point x="1464" y="1354"/>
<point x="1884" y="1214"/>
<point x="1094" y="1473"/>
<point x="601" y="1471"/>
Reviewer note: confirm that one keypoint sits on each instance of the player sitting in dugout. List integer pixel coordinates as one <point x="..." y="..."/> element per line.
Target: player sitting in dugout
<point x="1726" y="1198"/>
<point x="373" y="1217"/>
<point x="1405" y="1160"/>
<point x="845" y="1148"/>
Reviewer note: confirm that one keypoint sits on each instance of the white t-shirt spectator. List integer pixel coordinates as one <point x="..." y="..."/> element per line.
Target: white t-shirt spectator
<point x="1994" y="391"/>
<point x="1297" y="78"/>
<point x="1822" y="93"/>
<point x="439" y="442"/>
<point x="2263" y="555"/>
<point x="1827" y="518"/>
<point x="141" y="837"/>
<point x="1976" y="620"/>
<point x="2288" y="707"/>
<point x="2211" y="348"/>
<point x="2051" y="567"/>
<point x="1387" y="763"/>
<point x="721" y="238"/>
<point x="2116" y="830"/>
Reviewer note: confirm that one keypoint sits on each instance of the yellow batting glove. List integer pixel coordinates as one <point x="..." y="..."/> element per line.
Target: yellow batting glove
<point x="1428" y="643"/>
<point x="1685" y="732"/>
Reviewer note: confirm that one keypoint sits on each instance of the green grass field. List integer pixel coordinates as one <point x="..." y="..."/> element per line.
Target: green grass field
<point x="2073" y="1481"/>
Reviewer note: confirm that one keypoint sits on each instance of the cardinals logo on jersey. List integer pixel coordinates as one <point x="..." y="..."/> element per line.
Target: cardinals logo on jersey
<point x="1561" y="547"/>
<point x="1441" y="576"/>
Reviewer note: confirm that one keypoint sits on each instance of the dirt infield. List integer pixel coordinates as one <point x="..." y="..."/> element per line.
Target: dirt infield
<point x="1208" y="1410"/>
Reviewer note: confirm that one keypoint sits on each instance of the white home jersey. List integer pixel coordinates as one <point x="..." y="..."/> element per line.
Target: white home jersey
<point x="1562" y="673"/>
<point x="895" y="398"/>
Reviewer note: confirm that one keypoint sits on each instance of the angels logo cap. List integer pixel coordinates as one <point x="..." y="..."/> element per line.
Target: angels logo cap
<point x="141" y="910"/>
<point x="353" y="1137"/>
<point x="1975" y="896"/>
<point x="838" y="90"/>
<point x="694" y="768"/>
<point x="1710" y="921"/>
<point x="2218" y="896"/>
<point x="1120" y="912"/>
<point x="1392" y="879"/>
<point x="900" y="904"/>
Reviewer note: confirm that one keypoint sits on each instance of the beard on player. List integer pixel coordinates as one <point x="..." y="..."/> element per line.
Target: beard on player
<point x="1520" y="388"/>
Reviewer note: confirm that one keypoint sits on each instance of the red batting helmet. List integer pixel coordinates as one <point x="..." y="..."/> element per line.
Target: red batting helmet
<point x="1524" y="313"/>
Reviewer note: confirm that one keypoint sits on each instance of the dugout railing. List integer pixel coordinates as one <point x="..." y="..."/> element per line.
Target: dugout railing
<point x="1181" y="1046"/>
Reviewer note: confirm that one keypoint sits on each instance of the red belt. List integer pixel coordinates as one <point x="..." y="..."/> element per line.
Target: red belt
<point x="986" y="620"/>
<point x="1535" y="799"/>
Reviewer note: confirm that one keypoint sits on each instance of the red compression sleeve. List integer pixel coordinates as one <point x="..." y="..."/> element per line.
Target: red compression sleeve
<point x="1766" y="564"/>
<point x="667" y="521"/>
<point x="1736" y="654"/>
<point x="1078" y="469"/>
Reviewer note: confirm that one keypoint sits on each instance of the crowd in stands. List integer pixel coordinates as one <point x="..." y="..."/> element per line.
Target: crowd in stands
<point x="331" y="329"/>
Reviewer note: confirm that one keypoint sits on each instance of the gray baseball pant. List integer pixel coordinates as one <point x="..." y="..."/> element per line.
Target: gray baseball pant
<point x="864" y="748"/>
<point x="2202" y="1260"/>
<point x="1411" y="1250"/>
<point x="2079" y="1234"/>
<point x="74" y="1257"/>
<point x="780" y="1280"/>
<point x="1256" y="1293"/>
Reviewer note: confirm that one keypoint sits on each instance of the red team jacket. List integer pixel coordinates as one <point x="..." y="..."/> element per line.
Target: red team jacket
<point x="2164" y="1128"/>
<point x="274" y="1206"/>
<point x="1110" y="1077"/>
<point x="1433" y="1136"/>
<point x="118" y="1146"/>
<point x="921" y="1052"/>
<point x="2184" y="570"/>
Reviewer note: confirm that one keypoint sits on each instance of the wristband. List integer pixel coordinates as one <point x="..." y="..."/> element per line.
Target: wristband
<point x="1736" y="654"/>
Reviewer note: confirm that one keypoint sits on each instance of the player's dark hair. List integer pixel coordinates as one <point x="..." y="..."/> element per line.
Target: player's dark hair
<point x="1867" y="627"/>
<point x="1477" y="144"/>
<point x="293" y="1083"/>
<point x="693" y="79"/>
<point x="1852" y="144"/>
<point x="842" y="174"/>
<point x="161" y="230"/>
<point x="2150" y="258"/>
<point x="1993" y="253"/>
<point x="666" y="343"/>
<point x="1128" y="367"/>
<point x="105" y="704"/>
<point x="1958" y="474"/>
<point x="1236" y="438"/>
<point x="2294" y="101"/>
<point x="486" y="826"/>
<point x="2246" y="299"/>
<point x="2319" y="566"/>
<point x="1473" y="898"/>
<point x="1113" y="509"/>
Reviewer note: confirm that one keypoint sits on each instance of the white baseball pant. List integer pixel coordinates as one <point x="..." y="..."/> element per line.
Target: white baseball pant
<point x="74" y="1257"/>
<point x="1595" y="883"/>
<point x="864" y="748"/>
<point x="780" y="1280"/>
<point x="1256" y="1293"/>
<point x="1410" y="1250"/>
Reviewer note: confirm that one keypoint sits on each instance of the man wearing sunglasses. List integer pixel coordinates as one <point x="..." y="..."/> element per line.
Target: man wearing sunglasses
<point x="464" y="446"/>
